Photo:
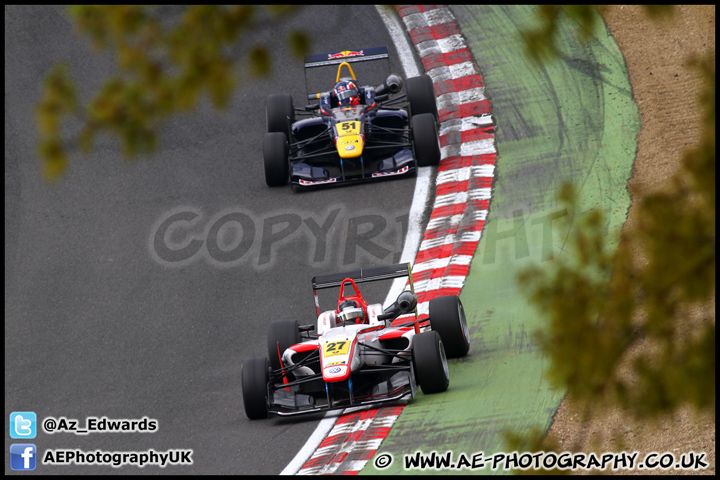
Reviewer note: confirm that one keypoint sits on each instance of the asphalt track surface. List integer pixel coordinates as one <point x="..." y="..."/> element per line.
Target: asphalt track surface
<point x="103" y="319"/>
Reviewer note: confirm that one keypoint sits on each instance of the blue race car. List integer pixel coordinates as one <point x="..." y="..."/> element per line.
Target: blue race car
<point x="354" y="133"/>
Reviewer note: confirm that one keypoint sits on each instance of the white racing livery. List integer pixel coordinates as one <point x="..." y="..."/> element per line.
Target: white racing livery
<point x="356" y="354"/>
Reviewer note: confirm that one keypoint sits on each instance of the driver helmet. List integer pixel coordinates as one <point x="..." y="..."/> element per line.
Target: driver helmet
<point x="350" y="311"/>
<point x="347" y="92"/>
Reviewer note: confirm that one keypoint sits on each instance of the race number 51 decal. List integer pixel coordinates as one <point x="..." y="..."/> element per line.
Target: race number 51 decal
<point x="348" y="128"/>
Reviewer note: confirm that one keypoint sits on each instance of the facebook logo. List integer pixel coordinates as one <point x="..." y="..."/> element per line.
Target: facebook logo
<point x="23" y="425"/>
<point x="23" y="456"/>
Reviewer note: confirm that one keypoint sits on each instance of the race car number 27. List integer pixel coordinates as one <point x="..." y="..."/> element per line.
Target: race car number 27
<point x="336" y="348"/>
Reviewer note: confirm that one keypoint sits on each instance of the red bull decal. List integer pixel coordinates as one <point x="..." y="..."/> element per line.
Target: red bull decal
<point x="345" y="54"/>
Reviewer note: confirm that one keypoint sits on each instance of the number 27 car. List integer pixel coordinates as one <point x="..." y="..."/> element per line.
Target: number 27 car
<point x="358" y="353"/>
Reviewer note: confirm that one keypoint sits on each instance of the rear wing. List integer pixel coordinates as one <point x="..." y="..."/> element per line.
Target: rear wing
<point x="338" y="58"/>
<point x="365" y="275"/>
<point x="346" y="56"/>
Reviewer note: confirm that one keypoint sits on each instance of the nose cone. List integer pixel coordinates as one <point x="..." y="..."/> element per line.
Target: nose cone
<point x="350" y="146"/>
<point x="336" y="373"/>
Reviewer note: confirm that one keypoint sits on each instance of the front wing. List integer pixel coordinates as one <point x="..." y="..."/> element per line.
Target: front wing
<point x="368" y="386"/>
<point x="307" y="175"/>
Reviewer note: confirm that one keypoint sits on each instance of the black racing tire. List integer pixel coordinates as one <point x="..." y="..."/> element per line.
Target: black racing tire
<point x="421" y="96"/>
<point x="280" y="113"/>
<point x="430" y="363"/>
<point x="282" y="332"/>
<point x="447" y="317"/>
<point x="425" y="140"/>
<point x="255" y="379"/>
<point x="275" y="158"/>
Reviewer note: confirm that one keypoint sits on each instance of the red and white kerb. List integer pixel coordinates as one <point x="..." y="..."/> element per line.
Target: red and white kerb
<point x="463" y="190"/>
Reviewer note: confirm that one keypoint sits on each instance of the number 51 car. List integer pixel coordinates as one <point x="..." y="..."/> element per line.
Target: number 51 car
<point x="355" y="132"/>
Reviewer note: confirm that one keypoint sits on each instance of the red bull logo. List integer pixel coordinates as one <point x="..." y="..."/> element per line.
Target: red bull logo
<point x="345" y="54"/>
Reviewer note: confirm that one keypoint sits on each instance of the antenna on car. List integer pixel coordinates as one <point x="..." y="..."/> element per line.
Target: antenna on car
<point x="345" y="56"/>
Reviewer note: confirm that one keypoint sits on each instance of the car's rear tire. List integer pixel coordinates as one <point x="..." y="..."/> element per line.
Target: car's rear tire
<point x="281" y="335"/>
<point x="421" y="96"/>
<point x="447" y="317"/>
<point x="430" y="363"/>
<point x="255" y="379"/>
<point x="425" y="140"/>
<point x="275" y="158"/>
<point x="280" y="113"/>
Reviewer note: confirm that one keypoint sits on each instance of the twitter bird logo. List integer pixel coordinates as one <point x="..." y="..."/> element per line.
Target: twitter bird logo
<point x="23" y="425"/>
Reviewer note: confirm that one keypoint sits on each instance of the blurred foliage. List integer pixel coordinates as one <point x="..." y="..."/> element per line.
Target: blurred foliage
<point x="541" y="42"/>
<point x="602" y="301"/>
<point x="163" y="70"/>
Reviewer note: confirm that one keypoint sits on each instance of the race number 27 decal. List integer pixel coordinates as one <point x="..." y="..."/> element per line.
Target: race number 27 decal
<point x="332" y="349"/>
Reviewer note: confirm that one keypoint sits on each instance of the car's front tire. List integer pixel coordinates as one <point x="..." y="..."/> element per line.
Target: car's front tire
<point x="282" y="334"/>
<point x="280" y="113"/>
<point x="430" y="363"/>
<point x="255" y="379"/>
<point x="421" y="96"/>
<point x="425" y="140"/>
<point x="447" y="317"/>
<point x="275" y="158"/>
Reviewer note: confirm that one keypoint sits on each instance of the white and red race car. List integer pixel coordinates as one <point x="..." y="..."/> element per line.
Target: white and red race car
<point x="356" y="354"/>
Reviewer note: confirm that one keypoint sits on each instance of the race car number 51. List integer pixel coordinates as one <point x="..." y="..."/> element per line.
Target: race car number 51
<point x="336" y="348"/>
<point x="348" y="128"/>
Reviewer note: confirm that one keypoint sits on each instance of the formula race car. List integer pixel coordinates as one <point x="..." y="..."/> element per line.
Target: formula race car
<point x="354" y="133"/>
<point x="357" y="353"/>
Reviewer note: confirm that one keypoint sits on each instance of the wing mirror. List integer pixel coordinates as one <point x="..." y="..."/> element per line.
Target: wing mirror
<point x="393" y="84"/>
<point x="405" y="303"/>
